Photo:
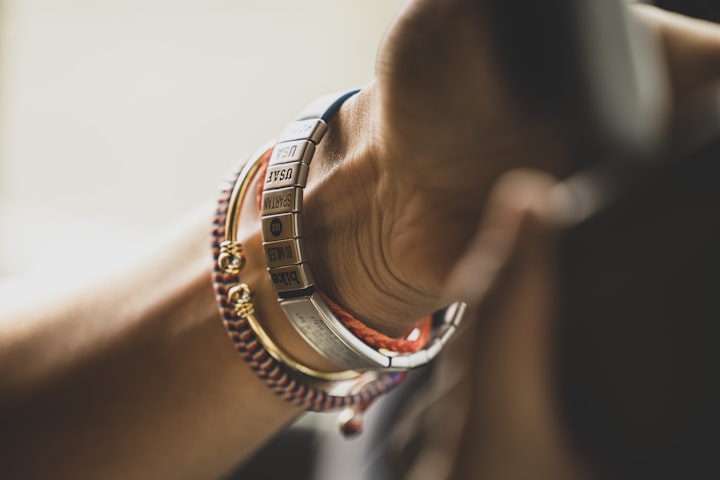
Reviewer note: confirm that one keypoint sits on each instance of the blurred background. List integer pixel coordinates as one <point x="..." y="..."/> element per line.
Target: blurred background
<point x="119" y="117"/>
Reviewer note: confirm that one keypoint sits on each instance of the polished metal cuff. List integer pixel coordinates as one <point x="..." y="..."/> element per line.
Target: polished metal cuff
<point x="291" y="276"/>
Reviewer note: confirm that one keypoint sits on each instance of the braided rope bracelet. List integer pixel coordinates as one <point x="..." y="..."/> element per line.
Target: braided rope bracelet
<point x="286" y="378"/>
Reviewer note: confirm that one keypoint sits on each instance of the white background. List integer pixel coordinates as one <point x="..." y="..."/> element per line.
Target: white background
<point x="119" y="116"/>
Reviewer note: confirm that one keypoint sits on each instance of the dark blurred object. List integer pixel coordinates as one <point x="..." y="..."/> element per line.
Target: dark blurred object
<point x="590" y="61"/>
<point x="289" y="455"/>
<point x="638" y="357"/>
<point x="639" y="363"/>
<point x="639" y="331"/>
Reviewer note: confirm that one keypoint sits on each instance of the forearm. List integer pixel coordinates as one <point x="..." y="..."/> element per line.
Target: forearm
<point x="133" y="377"/>
<point x="137" y="373"/>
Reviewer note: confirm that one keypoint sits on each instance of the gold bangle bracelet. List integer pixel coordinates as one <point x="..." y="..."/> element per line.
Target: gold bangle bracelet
<point x="232" y="260"/>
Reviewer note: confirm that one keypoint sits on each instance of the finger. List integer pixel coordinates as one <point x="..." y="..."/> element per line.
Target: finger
<point x="513" y="431"/>
<point x="439" y="83"/>
<point x="692" y="48"/>
<point x="517" y="196"/>
<point x="449" y="119"/>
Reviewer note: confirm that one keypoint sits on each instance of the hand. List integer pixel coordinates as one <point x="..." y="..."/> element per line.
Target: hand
<point x="408" y="164"/>
<point x="399" y="184"/>
<point x="514" y="426"/>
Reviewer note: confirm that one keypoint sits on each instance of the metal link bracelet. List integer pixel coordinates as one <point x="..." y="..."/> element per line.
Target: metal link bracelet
<point x="281" y="210"/>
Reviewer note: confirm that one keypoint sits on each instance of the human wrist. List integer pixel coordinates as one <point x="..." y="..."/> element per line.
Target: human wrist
<point x="363" y="373"/>
<point x="370" y="363"/>
<point x="349" y="207"/>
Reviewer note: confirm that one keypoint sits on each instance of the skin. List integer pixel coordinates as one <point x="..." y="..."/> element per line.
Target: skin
<point x="401" y="175"/>
<point x="137" y="378"/>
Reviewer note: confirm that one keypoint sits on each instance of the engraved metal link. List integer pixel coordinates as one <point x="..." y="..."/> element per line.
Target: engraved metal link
<point x="312" y="130"/>
<point x="292" y="151"/>
<point x="320" y="328"/>
<point x="286" y="175"/>
<point x="291" y="278"/>
<point x="281" y="227"/>
<point x="284" y="252"/>
<point x="283" y="200"/>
